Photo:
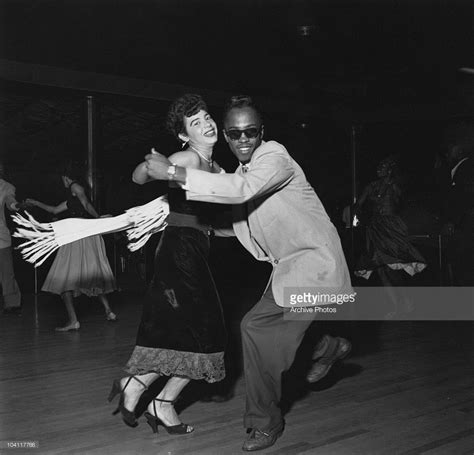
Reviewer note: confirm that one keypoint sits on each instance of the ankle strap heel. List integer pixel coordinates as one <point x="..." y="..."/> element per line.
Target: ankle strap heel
<point x="128" y="417"/>
<point x="154" y="421"/>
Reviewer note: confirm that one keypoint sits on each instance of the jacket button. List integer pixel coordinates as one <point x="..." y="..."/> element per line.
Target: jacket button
<point x="275" y="261"/>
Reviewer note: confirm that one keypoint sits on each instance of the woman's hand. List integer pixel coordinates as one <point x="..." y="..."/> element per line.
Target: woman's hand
<point x="30" y="202"/>
<point x="23" y="205"/>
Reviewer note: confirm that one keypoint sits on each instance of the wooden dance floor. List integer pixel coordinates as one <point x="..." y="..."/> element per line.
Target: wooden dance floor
<point x="408" y="388"/>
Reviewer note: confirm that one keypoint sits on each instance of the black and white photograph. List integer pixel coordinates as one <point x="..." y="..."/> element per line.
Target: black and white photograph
<point x="232" y="226"/>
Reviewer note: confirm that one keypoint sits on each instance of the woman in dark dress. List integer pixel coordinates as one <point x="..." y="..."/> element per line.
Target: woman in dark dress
<point x="181" y="334"/>
<point x="80" y="267"/>
<point x="388" y="251"/>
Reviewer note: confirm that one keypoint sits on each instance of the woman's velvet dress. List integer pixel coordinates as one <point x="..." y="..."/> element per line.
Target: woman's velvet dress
<point x="182" y="329"/>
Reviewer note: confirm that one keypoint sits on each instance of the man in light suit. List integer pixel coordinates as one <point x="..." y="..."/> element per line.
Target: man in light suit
<point x="278" y="218"/>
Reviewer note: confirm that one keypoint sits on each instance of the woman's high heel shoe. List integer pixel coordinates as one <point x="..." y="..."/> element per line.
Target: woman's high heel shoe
<point x="154" y="421"/>
<point x="128" y="417"/>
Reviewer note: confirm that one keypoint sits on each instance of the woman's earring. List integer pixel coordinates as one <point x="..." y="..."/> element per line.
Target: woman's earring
<point x="183" y="145"/>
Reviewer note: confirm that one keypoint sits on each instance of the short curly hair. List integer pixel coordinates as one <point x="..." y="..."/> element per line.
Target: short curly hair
<point x="184" y="106"/>
<point x="240" y="102"/>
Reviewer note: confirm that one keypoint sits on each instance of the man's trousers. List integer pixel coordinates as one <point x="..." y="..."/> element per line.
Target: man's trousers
<point x="269" y="344"/>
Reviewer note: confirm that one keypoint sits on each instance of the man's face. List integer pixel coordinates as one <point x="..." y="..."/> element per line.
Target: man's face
<point x="243" y="132"/>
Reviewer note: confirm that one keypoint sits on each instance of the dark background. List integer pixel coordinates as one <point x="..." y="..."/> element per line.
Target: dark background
<point x="389" y="70"/>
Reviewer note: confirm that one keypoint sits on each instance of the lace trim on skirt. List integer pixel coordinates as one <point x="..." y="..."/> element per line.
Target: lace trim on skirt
<point x="192" y="365"/>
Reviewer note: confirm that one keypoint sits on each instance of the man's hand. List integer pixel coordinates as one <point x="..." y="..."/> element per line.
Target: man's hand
<point x="157" y="166"/>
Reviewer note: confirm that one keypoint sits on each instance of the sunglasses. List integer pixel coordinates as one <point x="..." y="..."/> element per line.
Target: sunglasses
<point x="250" y="133"/>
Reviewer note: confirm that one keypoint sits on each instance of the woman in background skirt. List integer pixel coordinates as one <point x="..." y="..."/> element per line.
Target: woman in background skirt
<point x="388" y="252"/>
<point x="80" y="267"/>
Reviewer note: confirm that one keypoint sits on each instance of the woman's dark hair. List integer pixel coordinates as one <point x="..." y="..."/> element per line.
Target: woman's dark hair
<point x="239" y="102"/>
<point x="74" y="171"/>
<point x="394" y="167"/>
<point x="184" y="106"/>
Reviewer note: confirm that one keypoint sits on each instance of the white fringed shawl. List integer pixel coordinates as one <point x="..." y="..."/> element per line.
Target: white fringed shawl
<point x="43" y="239"/>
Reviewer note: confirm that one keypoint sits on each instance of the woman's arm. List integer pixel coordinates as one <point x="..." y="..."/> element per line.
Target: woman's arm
<point x="361" y="201"/>
<point x="48" y="208"/>
<point x="79" y="192"/>
<point x="184" y="158"/>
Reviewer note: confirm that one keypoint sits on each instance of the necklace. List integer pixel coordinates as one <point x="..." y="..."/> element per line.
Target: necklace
<point x="208" y="160"/>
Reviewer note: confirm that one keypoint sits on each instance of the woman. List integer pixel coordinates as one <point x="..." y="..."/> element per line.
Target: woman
<point x="80" y="267"/>
<point x="388" y="250"/>
<point x="182" y="332"/>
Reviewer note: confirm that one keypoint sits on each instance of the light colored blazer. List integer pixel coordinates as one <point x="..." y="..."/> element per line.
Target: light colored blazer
<point x="279" y="218"/>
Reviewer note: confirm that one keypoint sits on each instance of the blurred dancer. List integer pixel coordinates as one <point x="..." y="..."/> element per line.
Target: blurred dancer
<point x="10" y="290"/>
<point x="388" y="252"/>
<point x="80" y="267"/>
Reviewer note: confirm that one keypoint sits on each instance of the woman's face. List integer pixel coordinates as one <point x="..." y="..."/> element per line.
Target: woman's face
<point x="200" y="129"/>
<point x="383" y="169"/>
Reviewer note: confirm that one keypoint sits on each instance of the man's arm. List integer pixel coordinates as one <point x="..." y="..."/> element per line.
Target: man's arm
<point x="270" y="171"/>
<point x="224" y="232"/>
<point x="267" y="177"/>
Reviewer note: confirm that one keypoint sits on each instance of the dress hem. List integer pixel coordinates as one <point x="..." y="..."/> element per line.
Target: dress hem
<point x="169" y="362"/>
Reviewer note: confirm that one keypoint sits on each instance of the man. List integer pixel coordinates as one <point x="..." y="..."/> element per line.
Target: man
<point x="10" y="290"/>
<point x="278" y="218"/>
<point x="459" y="210"/>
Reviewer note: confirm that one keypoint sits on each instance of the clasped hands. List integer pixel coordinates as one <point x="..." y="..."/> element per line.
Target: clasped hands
<point x="157" y="165"/>
<point x="26" y="204"/>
